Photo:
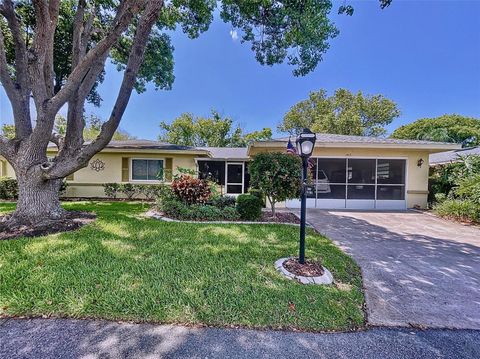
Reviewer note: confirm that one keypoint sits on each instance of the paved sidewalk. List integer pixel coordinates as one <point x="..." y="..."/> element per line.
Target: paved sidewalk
<point x="417" y="268"/>
<point x="60" y="338"/>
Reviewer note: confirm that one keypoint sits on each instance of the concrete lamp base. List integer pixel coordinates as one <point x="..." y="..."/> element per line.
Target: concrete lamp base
<point x="325" y="278"/>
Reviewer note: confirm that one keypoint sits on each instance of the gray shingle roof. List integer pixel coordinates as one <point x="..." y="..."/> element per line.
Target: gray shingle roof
<point x="148" y="144"/>
<point x="144" y="145"/>
<point x="239" y="153"/>
<point x="452" y="156"/>
<point x="328" y="138"/>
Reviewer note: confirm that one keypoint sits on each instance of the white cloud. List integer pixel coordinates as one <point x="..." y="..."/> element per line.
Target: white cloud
<point x="234" y="34"/>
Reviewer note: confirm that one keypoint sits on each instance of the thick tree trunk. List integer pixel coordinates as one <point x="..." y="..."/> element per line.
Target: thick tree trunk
<point x="38" y="201"/>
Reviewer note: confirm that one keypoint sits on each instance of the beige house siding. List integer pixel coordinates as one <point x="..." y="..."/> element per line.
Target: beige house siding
<point x="87" y="182"/>
<point x="5" y="169"/>
<point x="417" y="177"/>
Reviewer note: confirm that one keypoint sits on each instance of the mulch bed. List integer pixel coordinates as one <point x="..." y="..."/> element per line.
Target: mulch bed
<point x="280" y="217"/>
<point x="309" y="269"/>
<point x="73" y="221"/>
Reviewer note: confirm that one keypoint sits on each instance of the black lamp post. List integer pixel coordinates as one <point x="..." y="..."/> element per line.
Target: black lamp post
<point x="305" y="144"/>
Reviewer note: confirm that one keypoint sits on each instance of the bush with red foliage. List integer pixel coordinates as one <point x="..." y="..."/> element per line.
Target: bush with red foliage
<point x="191" y="190"/>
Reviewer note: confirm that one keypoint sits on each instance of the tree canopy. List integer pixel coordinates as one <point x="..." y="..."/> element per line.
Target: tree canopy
<point x="53" y="55"/>
<point x="446" y="128"/>
<point x="214" y="131"/>
<point x="8" y="131"/>
<point x="343" y="113"/>
<point x="92" y="129"/>
<point x="277" y="175"/>
<point x="90" y="132"/>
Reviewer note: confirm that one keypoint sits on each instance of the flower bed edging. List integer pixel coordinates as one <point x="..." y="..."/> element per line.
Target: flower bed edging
<point x="155" y="215"/>
<point x="325" y="278"/>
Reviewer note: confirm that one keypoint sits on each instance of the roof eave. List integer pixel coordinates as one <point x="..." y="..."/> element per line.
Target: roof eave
<point x="432" y="147"/>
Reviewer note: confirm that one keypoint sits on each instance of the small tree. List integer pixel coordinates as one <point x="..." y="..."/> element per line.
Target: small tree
<point x="277" y="175"/>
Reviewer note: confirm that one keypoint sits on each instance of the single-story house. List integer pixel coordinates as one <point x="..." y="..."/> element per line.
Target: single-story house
<point x="348" y="171"/>
<point x="443" y="158"/>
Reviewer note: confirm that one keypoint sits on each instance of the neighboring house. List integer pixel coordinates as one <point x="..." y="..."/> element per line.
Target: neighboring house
<point x="348" y="171"/>
<point x="453" y="156"/>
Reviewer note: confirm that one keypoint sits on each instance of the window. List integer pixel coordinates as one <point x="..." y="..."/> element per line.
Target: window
<point x="214" y="170"/>
<point x="147" y="170"/>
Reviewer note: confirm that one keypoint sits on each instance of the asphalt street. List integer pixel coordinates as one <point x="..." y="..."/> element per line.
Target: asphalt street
<point x="61" y="338"/>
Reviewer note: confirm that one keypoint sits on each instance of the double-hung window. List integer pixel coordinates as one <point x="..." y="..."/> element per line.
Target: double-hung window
<point x="147" y="169"/>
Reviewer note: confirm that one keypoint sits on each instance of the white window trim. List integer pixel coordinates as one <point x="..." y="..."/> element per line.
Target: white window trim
<point x="232" y="183"/>
<point x="130" y="164"/>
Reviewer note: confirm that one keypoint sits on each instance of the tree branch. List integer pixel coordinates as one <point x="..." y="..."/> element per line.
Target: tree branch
<point x="78" y="28"/>
<point x="8" y="11"/>
<point x="6" y="148"/>
<point x="58" y="140"/>
<point x="18" y="98"/>
<point x="36" y="54"/>
<point x="75" y="122"/>
<point x="5" y="77"/>
<point x="147" y="20"/>
<point x="127" y="10"/>
<point x="53" y="10"/>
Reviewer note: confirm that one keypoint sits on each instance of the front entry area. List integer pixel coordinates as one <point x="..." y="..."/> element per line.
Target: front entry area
<point x="356" y="183"/>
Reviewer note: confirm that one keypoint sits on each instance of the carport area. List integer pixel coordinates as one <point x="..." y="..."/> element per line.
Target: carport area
<point x="417" y="269"/>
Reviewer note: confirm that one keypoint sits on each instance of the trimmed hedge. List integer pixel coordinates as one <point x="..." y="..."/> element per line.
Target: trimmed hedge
<point x="249" y="207"/>
<point x="8" y="188"/>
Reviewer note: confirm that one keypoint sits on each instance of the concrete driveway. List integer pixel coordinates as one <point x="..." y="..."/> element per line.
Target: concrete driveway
<point x="417" y="269"/>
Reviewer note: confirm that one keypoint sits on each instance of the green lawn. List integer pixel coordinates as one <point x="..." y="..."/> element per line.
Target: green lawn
<point x="125" y="267"/>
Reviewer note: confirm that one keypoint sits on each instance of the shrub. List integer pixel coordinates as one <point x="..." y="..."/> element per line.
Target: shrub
<point x="440" y="197"/>
<point x="63" y="187"/>
<point x="277" y="175"/>
<point x="150" y="191"/>
<point x="249" y="207"/>
<point x="469" y="188"/>
<point x="446" y="178"/>
<point x="111" y="189"/>
<point x="128" y="190"/>
<point x="172" y="207"/>
<point x="191" y="190"/>
<point x="8" y="188"/>
<point x="201" y="212"/>
<point x="464" y="210"/>
<point x="259" y="194"/>
<point x="222" y="201"/>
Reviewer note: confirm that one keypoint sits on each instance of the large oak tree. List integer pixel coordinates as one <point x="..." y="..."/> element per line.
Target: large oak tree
<point x="53" y="54"/>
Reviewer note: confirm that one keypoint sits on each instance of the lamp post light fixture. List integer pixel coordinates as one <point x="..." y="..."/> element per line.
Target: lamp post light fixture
<point x="305" y="145"/>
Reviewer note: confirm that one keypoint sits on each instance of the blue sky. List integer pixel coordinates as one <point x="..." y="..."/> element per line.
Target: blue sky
<point x="424" y="55"/>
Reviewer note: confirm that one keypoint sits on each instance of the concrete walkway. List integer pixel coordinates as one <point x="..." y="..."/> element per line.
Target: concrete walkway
<point x="417" y="269"/>
<point x="57" y="338"/>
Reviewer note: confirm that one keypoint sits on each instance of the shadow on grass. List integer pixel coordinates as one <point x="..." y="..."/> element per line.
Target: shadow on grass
<point x="131" y="268"/>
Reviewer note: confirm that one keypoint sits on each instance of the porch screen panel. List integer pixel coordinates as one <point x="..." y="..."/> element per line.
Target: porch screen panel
<point x="331" y="181"/>
<point x="391" y="179"/>
<point x="214" y="170"/>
